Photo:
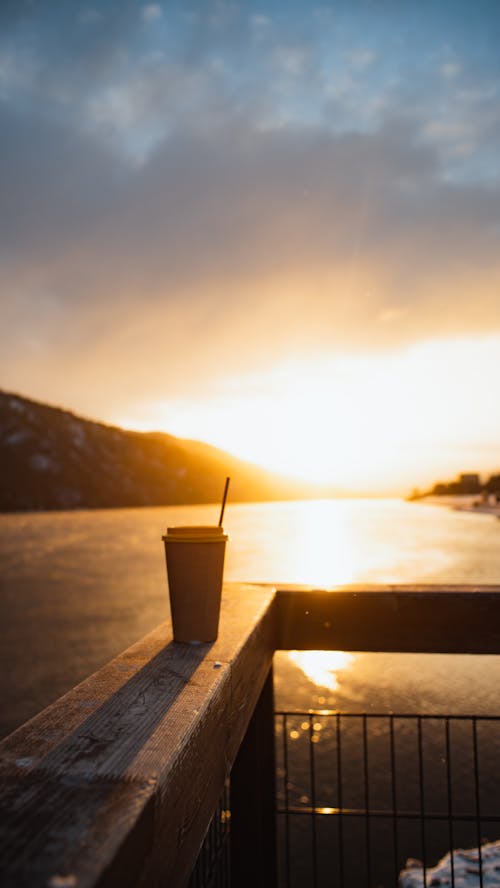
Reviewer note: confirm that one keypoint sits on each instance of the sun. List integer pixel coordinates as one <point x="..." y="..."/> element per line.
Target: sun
<point x="369" y="423"/>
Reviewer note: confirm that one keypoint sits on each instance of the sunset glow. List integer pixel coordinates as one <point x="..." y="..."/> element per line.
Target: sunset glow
<point x="366" y="422"/>
<point x="273" y="229"/>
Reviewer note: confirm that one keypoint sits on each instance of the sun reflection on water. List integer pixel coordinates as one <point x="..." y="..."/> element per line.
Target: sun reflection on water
<point x="329" y="550"/>
<point x="321" y="667"/>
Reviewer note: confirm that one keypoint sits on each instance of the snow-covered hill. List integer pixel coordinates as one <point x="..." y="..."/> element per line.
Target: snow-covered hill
<point x="52" y="459"/>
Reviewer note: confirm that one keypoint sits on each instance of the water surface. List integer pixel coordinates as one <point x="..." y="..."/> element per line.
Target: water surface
<point x="76" y="588"/>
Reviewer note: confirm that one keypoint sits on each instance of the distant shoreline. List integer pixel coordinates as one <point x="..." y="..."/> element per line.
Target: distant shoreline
<point x="461" y="503"/>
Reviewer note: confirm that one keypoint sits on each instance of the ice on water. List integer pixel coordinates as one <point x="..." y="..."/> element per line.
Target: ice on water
<point x="466" y="869"/>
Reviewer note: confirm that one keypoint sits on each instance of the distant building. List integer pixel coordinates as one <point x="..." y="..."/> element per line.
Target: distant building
<point x="469" y="482"/>
<point x="469" y="478"/>
<point x="493" y="485"/>
<point x="466" y="483"/>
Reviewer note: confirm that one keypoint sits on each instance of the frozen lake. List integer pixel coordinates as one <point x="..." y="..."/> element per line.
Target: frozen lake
<point x="76" y="588"/>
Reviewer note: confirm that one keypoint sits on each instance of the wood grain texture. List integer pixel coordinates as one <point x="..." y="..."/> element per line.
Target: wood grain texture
<point x="420" y="619"/>
<point x="116" y="782"/>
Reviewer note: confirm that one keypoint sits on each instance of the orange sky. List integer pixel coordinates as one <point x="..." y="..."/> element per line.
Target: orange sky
<point x="276" y="230"/>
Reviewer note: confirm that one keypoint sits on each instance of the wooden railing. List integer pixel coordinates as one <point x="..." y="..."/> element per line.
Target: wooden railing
<point x="116" y="782"/>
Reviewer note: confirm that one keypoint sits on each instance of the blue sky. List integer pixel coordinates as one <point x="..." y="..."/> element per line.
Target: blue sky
<point x="197" y="197"/>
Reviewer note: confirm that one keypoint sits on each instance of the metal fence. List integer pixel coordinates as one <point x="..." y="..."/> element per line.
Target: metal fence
<point x="358" y="795"/>
<point x="212" y="869"/>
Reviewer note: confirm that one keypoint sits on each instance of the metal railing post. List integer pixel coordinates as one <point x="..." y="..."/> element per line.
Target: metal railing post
<point x="253" y="800"/>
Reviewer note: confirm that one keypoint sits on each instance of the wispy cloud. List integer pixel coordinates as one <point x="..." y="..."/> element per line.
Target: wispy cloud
<point x="151" y="12"/>
<point x="181" y="183"/>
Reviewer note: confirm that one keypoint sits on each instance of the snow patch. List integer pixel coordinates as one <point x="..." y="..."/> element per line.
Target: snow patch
<point x="466" y="869"/>
<point x="16" y="404"/>
<point x="78" y="435"/>
<point x="43" y="463"/>
<point x="16" y="438"/>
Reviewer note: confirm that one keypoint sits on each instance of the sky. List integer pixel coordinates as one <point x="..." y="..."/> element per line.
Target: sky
<point x="271" y="226"/>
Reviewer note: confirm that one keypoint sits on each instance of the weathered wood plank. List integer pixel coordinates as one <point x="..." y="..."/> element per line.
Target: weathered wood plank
<point x="53" y="827"/>
<point x="134" y="758"/>
<point x="200" y="777"/>
<point x="253" y="800"/>
<point x="427" y="619"/>
<point x="115" y="783"/>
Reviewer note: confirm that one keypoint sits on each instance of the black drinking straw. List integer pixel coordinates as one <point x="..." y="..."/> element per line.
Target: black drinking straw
<point x="224" y="501"/>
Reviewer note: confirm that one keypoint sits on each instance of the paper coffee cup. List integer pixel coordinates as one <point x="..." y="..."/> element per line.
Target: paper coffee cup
<point x="195" y="566"/>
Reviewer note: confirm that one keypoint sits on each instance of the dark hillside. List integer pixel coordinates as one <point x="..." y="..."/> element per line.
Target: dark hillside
<point x="52" y="459"/>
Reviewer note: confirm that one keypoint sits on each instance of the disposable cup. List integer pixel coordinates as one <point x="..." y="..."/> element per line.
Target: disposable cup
<point x="195" y="566"/>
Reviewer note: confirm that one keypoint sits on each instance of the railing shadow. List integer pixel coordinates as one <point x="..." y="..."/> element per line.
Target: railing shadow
<point x="111" y="738"/>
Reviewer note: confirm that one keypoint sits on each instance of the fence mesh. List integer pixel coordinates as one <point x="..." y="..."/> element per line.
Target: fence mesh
<point x="359" y="795"/>
<point x="212" y="868"/>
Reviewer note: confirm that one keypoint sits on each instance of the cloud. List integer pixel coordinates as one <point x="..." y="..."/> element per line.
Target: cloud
<point x="260" y="22"/>
<point x="361" y="58"/>
<point x="337" y="231"/>
<point x="450" y="70"/>
<point x="189" y="194"/>
<point x="151" y="12"/>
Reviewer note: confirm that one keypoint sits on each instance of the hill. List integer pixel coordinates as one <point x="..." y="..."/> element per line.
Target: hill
<point x="53" y="459"/>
